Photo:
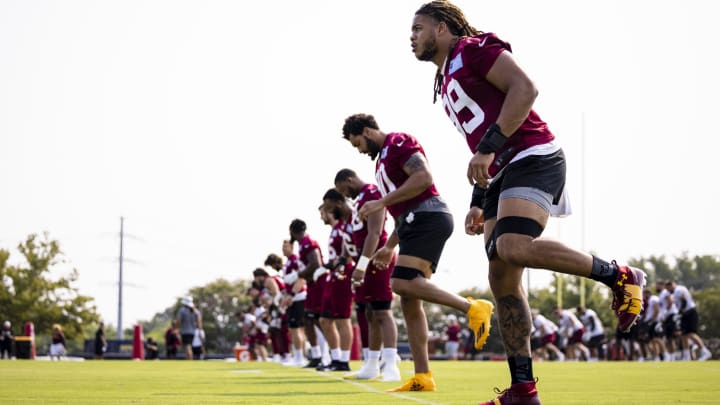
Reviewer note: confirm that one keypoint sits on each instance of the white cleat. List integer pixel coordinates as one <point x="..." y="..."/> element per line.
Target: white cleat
<point x="391" y="373"/>
<point x="369" y="373"/>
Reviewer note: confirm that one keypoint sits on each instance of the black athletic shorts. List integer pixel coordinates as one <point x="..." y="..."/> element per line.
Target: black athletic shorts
<point x="296" y="314"/>
<point x="423" y="234"/>
<point x="671" y="324"/>
<point x="542" y="172"/>
<point x="689" y="321"/>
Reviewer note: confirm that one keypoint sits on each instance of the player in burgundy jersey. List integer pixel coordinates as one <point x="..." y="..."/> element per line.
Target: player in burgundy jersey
<point x="452" y="337"/>
<point x="311" y="269"/>
<point x="337" y="300"/>
<point x="279" y="332"/>
<point x="294" y="304"/>
<point x="518" y="172"/>
<point x="369" y="235"/>
<point x="422" y="225"/>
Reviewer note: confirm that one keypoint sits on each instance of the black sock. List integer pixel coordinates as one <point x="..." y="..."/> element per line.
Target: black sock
<point x="604" y="272"/>
<point x="521" y="369"/>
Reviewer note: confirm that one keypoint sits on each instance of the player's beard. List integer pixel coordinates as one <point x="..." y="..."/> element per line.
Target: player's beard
<point x="354" y="192"/>
<point x="373" y="149"/>
<point x="337" y="213"/>
<point x="430" y="49"/>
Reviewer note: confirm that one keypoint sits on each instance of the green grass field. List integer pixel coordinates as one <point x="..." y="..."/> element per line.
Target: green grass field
<point x="220" y="382"/>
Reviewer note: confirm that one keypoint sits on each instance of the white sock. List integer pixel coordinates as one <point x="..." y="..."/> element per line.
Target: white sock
<point x="373" y="358"/>
<point x="388" y="354"/>
<point x="365" y="352"/>
<point x="345" y="356"/>
<point x="335" y="354"/>
<point x="315" y="352"/>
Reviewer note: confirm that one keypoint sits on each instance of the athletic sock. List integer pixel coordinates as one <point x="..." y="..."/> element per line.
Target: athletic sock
<point x="388" y="354"/>
<point x="373" y="358"/>
<point x="521" y="369"/>
<point x="335" y="354"/>
<point x="345" y="356"/>
<point x="604" y="272"/>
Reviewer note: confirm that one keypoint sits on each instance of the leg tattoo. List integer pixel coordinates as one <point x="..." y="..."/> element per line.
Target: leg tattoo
<point x="515" y="325"/>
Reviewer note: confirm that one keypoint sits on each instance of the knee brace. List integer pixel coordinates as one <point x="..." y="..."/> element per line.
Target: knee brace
<point x="380" y="305"/>
<point x="519" y="225"/>
<point x="406" y="273"/>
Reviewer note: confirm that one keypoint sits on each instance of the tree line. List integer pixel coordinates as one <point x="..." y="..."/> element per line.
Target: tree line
<point x="29" y="293"/>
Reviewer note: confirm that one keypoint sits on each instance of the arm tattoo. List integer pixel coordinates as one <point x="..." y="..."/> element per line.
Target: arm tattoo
<point x="515" y="325"/>
<point x="415" y="163"/>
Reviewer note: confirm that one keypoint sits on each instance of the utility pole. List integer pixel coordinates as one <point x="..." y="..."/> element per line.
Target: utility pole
<point x="584" y="206"/>
<point x="120" y="284"/>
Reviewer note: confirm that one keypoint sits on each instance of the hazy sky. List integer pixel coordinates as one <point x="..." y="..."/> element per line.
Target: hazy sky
<point x="210" y="125"/>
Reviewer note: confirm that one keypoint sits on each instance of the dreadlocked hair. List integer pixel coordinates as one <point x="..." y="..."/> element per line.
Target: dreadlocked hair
<point x="454" y="18"/>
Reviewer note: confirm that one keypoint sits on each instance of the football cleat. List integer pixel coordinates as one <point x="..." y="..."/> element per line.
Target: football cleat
<point x="391" y="374"/>
<point x="366" y="372"/>
<point x="517" y="394"/>
<point x="479" y="315"/>
<point x="627" y="296"/>
<point x="313" y="363"/>
<point x="418" y="382"/>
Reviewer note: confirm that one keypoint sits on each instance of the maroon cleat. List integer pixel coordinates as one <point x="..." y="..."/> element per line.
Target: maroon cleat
<point x="627" y="296"/>
<point x="517" y="394"/>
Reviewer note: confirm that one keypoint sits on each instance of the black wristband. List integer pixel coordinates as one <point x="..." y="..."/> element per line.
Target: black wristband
<point x="492" y="141"/>
<point x="478" y="196"/>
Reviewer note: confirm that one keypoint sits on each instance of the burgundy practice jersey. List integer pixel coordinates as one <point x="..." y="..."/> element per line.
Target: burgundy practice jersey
<point x="337" y="296"/>
<point x="293" y="264"/>
<point x="341" y="235"/>
<point x="264" y="290"/>
<point x="314" y="289"/>
<point x="389" y="173"/>
<point x="473" y="103"/>
<point x="369" y="192"/>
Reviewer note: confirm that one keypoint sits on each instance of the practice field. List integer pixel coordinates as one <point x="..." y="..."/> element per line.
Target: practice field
<point x="464" y="382"/>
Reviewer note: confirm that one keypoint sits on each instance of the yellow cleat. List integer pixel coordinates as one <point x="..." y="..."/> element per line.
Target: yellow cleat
<point x="418" y="382"/>
<point x="479" y="315"/>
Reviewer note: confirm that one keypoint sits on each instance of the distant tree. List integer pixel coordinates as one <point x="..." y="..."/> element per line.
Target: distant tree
<point x="218" y="302"/>
<point x="708" y="307"/>
<point x="28" y="292"/>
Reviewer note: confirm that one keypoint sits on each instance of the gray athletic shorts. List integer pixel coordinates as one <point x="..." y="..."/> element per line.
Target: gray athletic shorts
<point x="537" y="178"/>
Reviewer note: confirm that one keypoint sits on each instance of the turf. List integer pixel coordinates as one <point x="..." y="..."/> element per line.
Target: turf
<point x="220" y="382"/>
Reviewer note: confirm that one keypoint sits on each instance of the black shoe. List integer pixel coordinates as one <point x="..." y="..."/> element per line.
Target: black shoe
<point x="313" y="363"/>
<point x="339" y="366"/>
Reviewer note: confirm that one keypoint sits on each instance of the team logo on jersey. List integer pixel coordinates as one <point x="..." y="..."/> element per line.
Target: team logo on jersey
<point x="455" y="64"/>
<point x="482" y="43"/>
<point x="383" y="154"/>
